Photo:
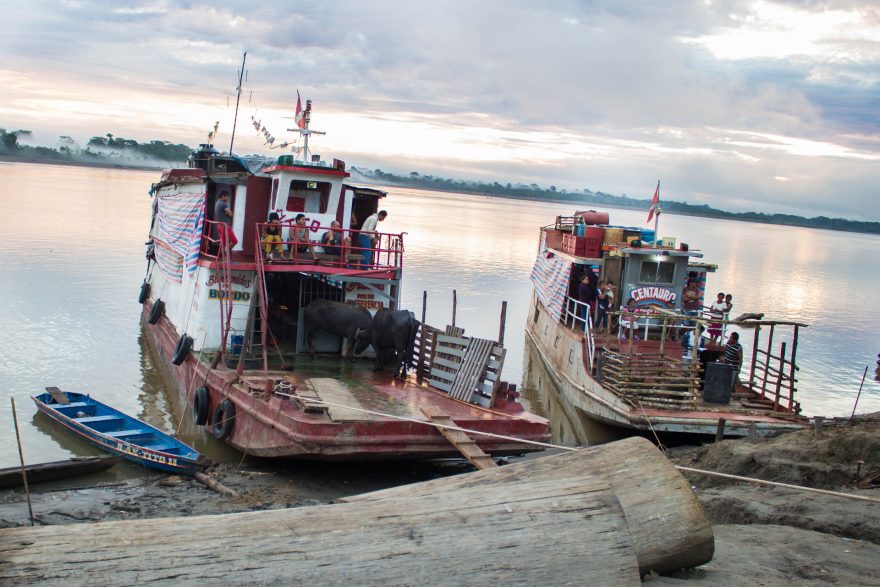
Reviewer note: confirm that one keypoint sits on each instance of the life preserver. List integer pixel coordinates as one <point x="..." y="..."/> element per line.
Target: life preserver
<point x="201" y="405"/>
<point x="145" y="292"/>
<point x="181" y="351"/>
<point x="223" y="419"/>
<point x="156" y="312"/>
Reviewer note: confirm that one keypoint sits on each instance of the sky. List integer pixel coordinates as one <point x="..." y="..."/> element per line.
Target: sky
<point x="741" y="105"/>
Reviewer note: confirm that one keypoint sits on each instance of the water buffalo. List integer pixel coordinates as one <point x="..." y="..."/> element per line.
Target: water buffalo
<point x="392" y="334"/>
<point x="336" y="318"/>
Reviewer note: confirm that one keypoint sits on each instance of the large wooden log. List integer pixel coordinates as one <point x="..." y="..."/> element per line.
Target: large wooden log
<point x="668" y="526"/>
<point x="550" y="532"/>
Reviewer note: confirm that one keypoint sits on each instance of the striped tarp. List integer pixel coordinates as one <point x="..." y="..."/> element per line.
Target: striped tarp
<point x="181" y="217"/>
<point x="169" y="261"/>
<point x="550" y="276"/>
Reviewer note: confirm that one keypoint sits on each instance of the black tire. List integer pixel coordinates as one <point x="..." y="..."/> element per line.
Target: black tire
<point x="156" y="312"/>
<point x="181" y="351"/>
<point x="223" y="420"/>
<point x="145" y="292"/>
<point x="201" y="406"/>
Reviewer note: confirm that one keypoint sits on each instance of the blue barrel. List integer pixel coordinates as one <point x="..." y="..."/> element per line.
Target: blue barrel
<point x="647" y="236"/>
<point x="237" y="341"/>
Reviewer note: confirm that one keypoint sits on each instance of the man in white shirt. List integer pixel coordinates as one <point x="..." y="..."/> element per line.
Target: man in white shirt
<point x="368" y="235"/>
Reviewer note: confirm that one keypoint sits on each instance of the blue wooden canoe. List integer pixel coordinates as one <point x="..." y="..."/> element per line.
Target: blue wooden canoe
<point x="118" y="433"/>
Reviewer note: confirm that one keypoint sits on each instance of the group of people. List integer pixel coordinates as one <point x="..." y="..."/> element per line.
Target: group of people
<point x="596" y="299"/>
<point x="332" y="242"/>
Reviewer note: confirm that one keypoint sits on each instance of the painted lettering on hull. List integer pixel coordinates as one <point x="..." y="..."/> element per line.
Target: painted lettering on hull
<point x="147" y="456"/>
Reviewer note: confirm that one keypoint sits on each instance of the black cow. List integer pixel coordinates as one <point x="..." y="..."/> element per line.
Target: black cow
<point x="336" y="318"/>
<point x="393" y="335"/>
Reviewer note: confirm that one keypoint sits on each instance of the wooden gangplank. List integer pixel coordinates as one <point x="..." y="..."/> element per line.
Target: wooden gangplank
<point x="465" y="445"/>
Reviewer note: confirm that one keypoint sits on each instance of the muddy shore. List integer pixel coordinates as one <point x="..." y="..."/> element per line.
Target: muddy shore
<point x="764" y="535"/>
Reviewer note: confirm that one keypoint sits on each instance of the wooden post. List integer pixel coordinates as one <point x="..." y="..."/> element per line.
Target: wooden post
<point x="753" y="432"/>
<point x="420" y="372"/>
<point x="662" y="335"/>
<point x="755" y="343"/>
<point x="767" y="365"/>
<point x="454" y="304"/>
<point x="24" y="480"/>
<point x="719" y="431"/>
<point x="503" y="322"/>
<point x="794" y="342"/>
<point x="779" y="376"/>
<point x="818" y="425"/>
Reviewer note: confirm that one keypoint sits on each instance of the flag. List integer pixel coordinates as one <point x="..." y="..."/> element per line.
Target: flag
<point x="654" y="201"/>
<point x="300" y="117"/>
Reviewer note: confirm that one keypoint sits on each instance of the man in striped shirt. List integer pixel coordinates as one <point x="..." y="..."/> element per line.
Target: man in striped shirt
<point x="733" y="352"/>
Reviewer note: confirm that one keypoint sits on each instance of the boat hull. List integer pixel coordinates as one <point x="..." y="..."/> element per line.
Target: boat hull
<point x="56" y="470"/>
<point x="277" y="427"/>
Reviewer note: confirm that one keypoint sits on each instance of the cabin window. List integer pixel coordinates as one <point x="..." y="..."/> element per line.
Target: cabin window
<point x="654" y="272"/>
<point x="310" y="197"/>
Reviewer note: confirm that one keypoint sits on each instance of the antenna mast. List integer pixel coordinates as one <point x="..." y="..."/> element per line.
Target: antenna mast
<point x="305" y="131"/>
<point x="237" y="100"/>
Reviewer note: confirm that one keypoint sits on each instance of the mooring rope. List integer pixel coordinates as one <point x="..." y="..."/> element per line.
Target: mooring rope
<point x="576" y="448"/>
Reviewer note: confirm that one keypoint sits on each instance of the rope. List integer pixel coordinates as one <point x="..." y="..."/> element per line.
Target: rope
<point x="569" y="448"/>
<point x="777" y="484"/>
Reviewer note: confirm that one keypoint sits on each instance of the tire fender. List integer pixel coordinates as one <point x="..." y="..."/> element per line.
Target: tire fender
<point x="181" y="351"/>
<point x="223" y="420"/>
<point x="145" y="292"/>
<point x="156" y="312"/>
<point x="201" y="406"/>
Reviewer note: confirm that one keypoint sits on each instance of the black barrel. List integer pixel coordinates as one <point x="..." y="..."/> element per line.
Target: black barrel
<point x="718" y="385"/>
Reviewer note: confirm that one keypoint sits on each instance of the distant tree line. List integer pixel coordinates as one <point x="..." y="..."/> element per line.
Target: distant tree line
<point x="99" y="150"/>
<point x="586" y="196"/>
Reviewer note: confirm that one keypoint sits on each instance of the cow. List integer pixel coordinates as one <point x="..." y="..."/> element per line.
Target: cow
<point x="336" y="318"/>
<point x="393" y="335"/>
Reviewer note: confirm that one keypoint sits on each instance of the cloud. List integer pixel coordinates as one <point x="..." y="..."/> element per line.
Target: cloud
<point x="720" y="99"/>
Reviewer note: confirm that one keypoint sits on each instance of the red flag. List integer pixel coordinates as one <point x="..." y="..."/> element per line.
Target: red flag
<point x="654" y="201"/>
<point x="299" y="118"/>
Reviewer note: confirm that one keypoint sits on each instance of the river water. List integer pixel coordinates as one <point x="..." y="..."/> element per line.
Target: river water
<point x="72" y="259"/>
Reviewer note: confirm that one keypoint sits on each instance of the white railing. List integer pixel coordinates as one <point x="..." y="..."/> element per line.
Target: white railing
<point x="577" y="317"/>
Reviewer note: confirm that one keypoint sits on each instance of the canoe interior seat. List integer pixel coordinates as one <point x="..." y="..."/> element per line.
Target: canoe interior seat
<point x="101" y="423"/>
<point x="131" y="435"/>
<point x="71" y="406"/>
<point x="172" y="448"/>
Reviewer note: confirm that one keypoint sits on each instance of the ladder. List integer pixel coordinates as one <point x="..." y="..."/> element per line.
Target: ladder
<point x="223" y="268"/>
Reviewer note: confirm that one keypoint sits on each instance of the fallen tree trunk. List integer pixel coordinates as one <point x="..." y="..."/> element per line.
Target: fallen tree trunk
<point x="668" y="526"/>
<point x="549" y="532"/>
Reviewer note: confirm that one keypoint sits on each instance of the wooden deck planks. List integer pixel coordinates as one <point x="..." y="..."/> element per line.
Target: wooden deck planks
<point x="337" y="392"/>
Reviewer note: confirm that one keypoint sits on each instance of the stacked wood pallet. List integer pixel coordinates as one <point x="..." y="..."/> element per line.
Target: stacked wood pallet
<point x="650" y="381"/>
<point x="466" y="368"/>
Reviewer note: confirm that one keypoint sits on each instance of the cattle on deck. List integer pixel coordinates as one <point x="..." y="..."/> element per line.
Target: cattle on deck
<point x="336" y="318"/>
<point x="392" y="334"/>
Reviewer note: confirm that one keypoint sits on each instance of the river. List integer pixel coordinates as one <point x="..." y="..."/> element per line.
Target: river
<point x="72" y="259"/>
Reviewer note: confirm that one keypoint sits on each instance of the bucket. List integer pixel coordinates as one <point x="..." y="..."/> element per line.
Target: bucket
<point x="237" y="341"/>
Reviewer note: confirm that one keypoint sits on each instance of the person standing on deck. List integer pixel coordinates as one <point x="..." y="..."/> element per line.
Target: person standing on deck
<point x="602" y="303"/>
<point x="587" y="299"/>
<point x="716" y="314"/>
<point x="733" y="353"/>
<point x="691" y="300"/>
<point x="223" y="216"/>
<point x="368" y="237"/>
<point x="728" y="301"/>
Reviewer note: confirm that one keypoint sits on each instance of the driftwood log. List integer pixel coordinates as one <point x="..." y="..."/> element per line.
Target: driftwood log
<point x="668" y="526"/>
<point x="539" y="532"/>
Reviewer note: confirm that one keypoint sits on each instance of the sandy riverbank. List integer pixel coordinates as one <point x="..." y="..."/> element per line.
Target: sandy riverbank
<point x="764" y="535"/>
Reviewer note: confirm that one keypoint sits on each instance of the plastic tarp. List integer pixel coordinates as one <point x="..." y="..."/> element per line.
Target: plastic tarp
<point x="550" y="277"/>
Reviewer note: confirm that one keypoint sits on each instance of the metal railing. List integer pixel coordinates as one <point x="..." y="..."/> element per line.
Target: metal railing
<point x="577" y="318"/>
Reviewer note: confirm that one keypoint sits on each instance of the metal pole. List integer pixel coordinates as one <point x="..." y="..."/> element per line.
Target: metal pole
<point x="857" y="396"/>
<point x="27" y="491"/>
<point x="237" y="100"/>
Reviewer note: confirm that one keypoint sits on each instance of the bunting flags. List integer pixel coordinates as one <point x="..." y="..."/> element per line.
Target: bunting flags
<point x="654" y="202"/>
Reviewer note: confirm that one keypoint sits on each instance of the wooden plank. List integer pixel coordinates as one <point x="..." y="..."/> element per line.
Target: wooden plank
<point x="447" y="340"/>
<point x="441" y="386"/>
<point x="337" y="392"/>
<point x="465" y="445"/>
<point x="443" y="375"/>
<point x="472" y="368"/>
<point x="448" y="350"/>
<point x="446" y="363"/>
<point x="58" y="395"/>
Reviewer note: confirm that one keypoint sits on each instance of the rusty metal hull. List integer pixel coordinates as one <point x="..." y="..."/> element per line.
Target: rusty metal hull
<point x="277" y="427"/>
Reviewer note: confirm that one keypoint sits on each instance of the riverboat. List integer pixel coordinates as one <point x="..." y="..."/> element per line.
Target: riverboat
<point x="632" y="375"/>
<point x="118" y="433"/>
<point x="225" y="318"/>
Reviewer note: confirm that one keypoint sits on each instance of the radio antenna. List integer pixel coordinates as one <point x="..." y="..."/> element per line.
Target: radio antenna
<point x="237" y="99"/>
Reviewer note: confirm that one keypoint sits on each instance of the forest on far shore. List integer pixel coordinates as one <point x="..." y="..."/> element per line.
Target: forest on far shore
<point x="116" y="151"/>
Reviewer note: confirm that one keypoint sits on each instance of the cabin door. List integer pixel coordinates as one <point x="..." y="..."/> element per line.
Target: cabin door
<point x="613" y="270"/>
<point x="256" y="209"/>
